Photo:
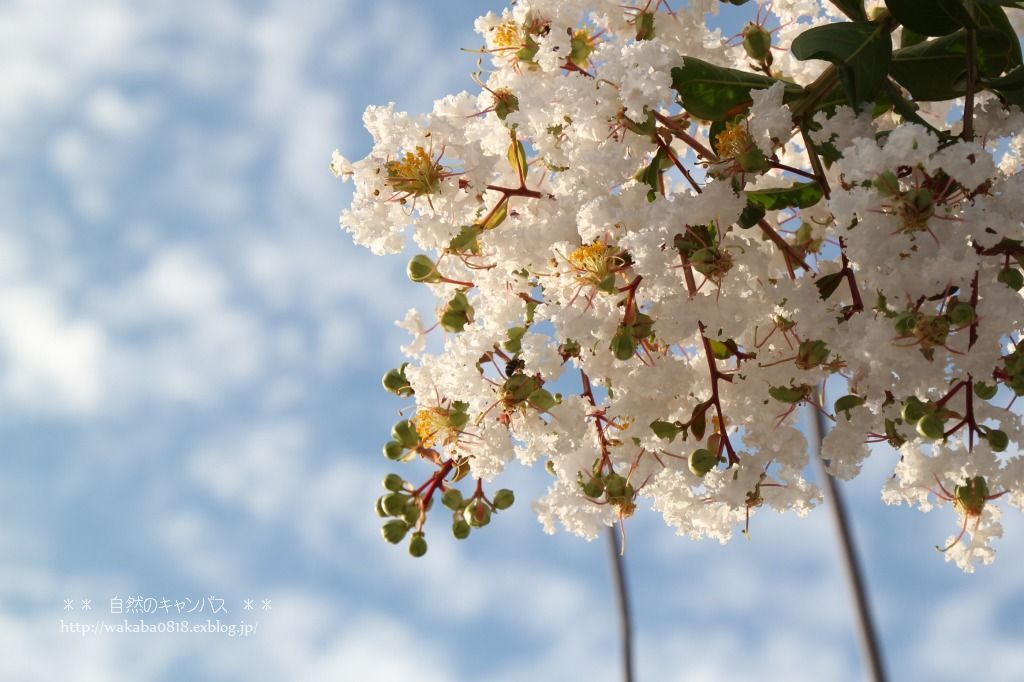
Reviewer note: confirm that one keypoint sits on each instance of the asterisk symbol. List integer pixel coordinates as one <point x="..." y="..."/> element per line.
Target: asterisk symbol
<point x="69" y="604"/>
<point x="87" y="604"/>
<point x="247" y="604"/>
<point x="266" y="605"/>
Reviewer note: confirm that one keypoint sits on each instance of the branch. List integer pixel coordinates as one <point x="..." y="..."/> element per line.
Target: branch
<point x="622" y="594"/>
<point x="869" y="641"/>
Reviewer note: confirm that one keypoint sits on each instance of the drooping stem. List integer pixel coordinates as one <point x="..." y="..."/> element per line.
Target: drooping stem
<point x="622" y="599"/>
<point x="972" y="75"/>
<point x="869" y="642"/>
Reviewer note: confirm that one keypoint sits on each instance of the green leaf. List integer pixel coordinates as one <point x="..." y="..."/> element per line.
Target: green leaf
<point x="847" y="403"/>
<point x="715" y="93"/>
<point x="852" y="8"/>
<point x="827" y="284"/>
<point x="930" y="17"/>
<point x="936" y="70"/>
<point x="800" y="195"/>
<point x="789" y="394"/>
<point x="861" y="51"/>
<point x="994" y="17"/>
<point x="751" y="215"/>
<point x="666" y="430"/>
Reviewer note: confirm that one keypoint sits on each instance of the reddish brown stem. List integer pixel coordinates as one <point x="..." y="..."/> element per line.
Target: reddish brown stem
<point x="715" y="398"/>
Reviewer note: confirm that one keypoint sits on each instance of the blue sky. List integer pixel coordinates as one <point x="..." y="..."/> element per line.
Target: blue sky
<point x="190" y="353"/>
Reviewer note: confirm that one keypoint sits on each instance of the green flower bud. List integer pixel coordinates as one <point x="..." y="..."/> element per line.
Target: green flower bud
<point x="913" y="410"/>
<point x="961" y="313"/>
<point x="452" y="499"/>
<point x="394" y="504"/>
<point x="379" y="506"/>
<point x="984" y="391"/>
<point x="393" y="449"/>
<point x="753" y="161"/>
<point x="593" y="488"/>
<point x="702" y="461"/>
<point x="503" y="499"/>
<point x="477" y="513"/>
<point x="396" y="382"/>
<point x="422" y="269"/>
<point x="623" y="344"/>
<point x="417" y="545"/>
<point x="757" y="42"/>
<point x="997" y="440"/>
<point x="394" y="483"/>
<point x="931" y="426"/>
<point x="394" y="531"/>
<point x="460" y="529"/>
<point x="405" y="433"/>
<point x="411" y="512"/>
<point x="971" y="497"/>
<point x="1011" y="277"/>
<point x="615" y="485"/>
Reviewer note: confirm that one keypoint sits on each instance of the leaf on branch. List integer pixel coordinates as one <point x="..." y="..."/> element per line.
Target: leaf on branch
<point x="800" y="195"/>
<point x="936" y="70"/>
<point x="860" y="50"/>
<point x="930" y="17"/>
<point x="715" y="93"/>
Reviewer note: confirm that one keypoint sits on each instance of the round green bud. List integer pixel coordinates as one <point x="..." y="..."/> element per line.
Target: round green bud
<point x="1011" y="277"/>
<point x="411" y="512"/>
<point x="757" y="42"/>
<point x="961" y="313"/>
<point x="394" y="504"/>
<point x="997" y="440"/>
<point x="379" y="506"/>
<point x="623" y="344"/>
<point x="405" y="433"/>
<point x="913" y="410"/>
<point x="753" y="161"/>
<point x="393" y="531"/>
<point x="394" y="483"/>
<point x="452" y="499"/>
<point x="417" y="545"/>
<point x="594" y="487"/>
<point x="396" y="382"/>
<point x="477" y="513"/>
<point x="460" y="529"/>
<point x="503" y="499"/>
<point x="614" y="485"/>
<point x="393" y="450"/>
<point x="702" y="461"/>
<point x="984" y="391"/>
<point x="422" y="269"/>
<point x="931" y="426"/>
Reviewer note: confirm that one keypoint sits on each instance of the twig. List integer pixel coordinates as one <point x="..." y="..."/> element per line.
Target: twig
<point x="869" y="641"/>
<point x="622" y="594"/>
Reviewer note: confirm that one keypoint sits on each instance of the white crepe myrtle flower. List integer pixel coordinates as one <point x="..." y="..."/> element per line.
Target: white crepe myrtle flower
<point x="650" y="247"/>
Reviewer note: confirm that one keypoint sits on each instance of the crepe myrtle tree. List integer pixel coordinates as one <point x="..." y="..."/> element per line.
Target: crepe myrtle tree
<point x="649" y="243"/>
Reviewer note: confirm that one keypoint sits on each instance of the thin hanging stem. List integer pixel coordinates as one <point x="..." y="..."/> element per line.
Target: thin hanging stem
<point x="622" y="592"/>
<point x="869" y="643"/>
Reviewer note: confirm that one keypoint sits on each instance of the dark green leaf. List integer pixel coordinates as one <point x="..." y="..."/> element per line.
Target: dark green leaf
<point x="827" y="284"/>
<point x="860" y="50"/>
<point x="852" y="8"/>
<point x="751" y="215"/>
<point x="936" y="70"/>
<point x="666" y="430"/>
<point x="800" y="195"/>
<point x="930" y="17"/>
<point x="715" y="93"/>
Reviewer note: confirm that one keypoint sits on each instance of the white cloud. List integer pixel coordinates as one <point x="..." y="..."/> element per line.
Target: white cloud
<point x="260" y="470"/>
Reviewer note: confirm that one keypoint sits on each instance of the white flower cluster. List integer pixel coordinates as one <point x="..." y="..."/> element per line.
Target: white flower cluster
<point x="642" y="300"/>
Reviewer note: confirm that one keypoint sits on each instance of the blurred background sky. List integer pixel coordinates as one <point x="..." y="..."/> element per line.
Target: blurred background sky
<point x="190" y="354"/>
